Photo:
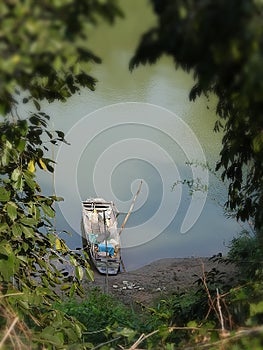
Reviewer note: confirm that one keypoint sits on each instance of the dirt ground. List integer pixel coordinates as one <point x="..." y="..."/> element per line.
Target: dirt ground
<point x="157" y="279"/>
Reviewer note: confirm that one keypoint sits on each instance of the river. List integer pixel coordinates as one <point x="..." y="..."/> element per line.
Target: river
<point x="140" y="125"/>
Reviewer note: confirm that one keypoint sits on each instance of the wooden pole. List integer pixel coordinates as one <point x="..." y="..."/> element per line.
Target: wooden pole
<point x="106" y="244"/>
<point x="131" y="208"/>
<point x="123" y="266"/>
<point x="127" y="217"/>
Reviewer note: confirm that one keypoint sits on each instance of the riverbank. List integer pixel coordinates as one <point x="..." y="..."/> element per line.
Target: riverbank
<point x="161" y="277"/>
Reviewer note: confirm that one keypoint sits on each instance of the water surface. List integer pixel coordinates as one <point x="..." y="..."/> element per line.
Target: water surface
<point x="160" y="85"/>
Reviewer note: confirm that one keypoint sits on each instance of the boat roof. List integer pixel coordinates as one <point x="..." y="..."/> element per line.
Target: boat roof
<point x="98" y="203"/>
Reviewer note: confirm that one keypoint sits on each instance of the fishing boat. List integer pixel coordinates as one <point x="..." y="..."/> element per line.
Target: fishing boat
<point x="100" y="235"/>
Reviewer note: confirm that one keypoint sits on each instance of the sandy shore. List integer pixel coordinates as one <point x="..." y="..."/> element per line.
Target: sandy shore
<point x="161" y="277"/>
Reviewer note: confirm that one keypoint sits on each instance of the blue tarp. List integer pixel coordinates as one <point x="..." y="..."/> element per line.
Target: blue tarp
<point x="110" y="248"/>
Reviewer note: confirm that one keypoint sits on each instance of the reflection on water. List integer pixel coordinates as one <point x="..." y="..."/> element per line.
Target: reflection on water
<point x="160" y="85"/>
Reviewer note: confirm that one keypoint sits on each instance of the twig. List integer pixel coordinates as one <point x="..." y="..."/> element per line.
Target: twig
<point x="211" y="302"/>
<point x="230" y="321"/>
<point x="107" y="342"/>
<point x="141" y="339"/>
<point x="10" y="294"/>
<point x="235" y="289"/>
<point x="191" y="329"/>
<point x="220" y="312"/>
<point x="8" y="331"/>
<point x="95" y="332"/>
<point x="134" y="346"/>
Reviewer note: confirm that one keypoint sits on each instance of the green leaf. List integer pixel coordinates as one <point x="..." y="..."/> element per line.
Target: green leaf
<point x="49" y="211"/>
<point x="19" y="184"/>
<point x="72" y="289"/>
<point x="21" y="145"/>
<point x="25" y="246"/>
<point x="23" y="258"/>
<point x="52" y="238"/>
<point x="34" y="210"/>
<point x="28" y="221"/>
<point x="15" y="174"/>
<point x="257" y="143"/>
<point x="73" y="261"/>
<point x="65" y="287"/>
<point x="9" y="267"/>
<point x="79" y="272"/>
<point x="127" y="333"/>
<point x="5" y="157"/>
<point x="29" y="180"/>
<point x="5" y="247"/>
<point x="78" y="330"/>
<point x="23" y="303"/>
<point x="4" y="227"/>
<point x="90" y="273"/>
<point x="71" y="333"/>
<point x="4" y="195"/>
<point x="23" y="128"/>
<point x="37" y="105"/>
<point x="8" y="145"/>
<point x="12" y="210"/>
<point x="57" y="199"/>
<point x="16" y="230"/>
<point x="49" y="336"/>
<point x="28" y="231"/>
<point x="192" y="324"/>
<point x="256" y="309"/>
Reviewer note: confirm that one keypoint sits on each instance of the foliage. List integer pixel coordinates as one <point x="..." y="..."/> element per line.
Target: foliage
<point x="44" y="47"/>
<point x="190" y="314"/>
<point x="253" y="340"/>
<point x="192" y="318"/>
<point x="44" y="55"/>
<point x="33" y="258"/>
<point x="103" y="316"/>
<point x="220" y="42"/>
<point x="246" y="253"/>
<point x="58" y="331"/>
<point x="186" y="319"/>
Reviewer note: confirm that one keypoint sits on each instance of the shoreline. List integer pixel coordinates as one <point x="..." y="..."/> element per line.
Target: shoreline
<point x="161" y="277"/>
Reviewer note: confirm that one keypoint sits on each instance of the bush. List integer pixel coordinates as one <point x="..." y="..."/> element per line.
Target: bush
<point x="246" y="253"/>
<point x="102" y="315"/>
